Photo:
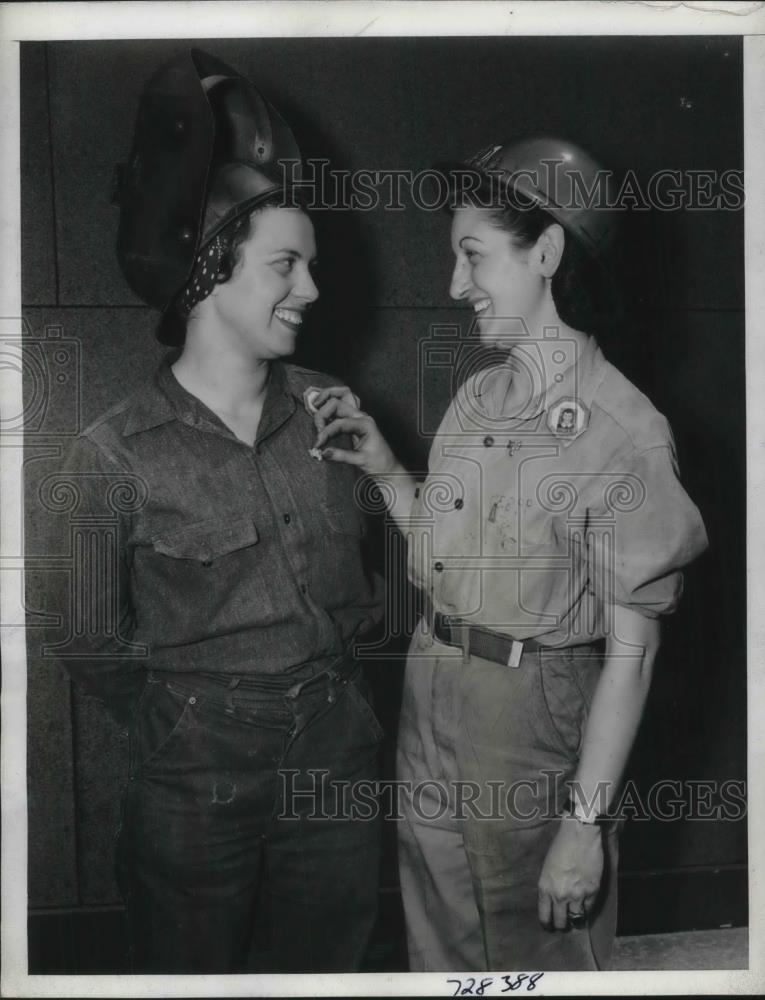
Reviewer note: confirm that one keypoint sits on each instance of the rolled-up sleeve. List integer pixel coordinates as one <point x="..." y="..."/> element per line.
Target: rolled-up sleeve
<point x="642" y="533"/>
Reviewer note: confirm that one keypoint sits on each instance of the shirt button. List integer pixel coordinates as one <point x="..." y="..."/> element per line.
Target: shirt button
<point x="287" y="519"/>
<point x="488" y="441"/>
<point x="438" y="567"/>
<point x="458" y="503"/>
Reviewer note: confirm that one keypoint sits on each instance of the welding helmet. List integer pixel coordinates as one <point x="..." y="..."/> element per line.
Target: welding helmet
<point x="553" y="174"/>
<point x="207" y="148"/>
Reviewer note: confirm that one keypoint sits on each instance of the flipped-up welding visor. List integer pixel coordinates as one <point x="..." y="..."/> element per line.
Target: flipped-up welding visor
<point x="207" y="148"/>
<point x="553" y="174"/>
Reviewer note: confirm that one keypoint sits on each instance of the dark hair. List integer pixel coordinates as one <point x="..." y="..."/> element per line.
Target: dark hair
<point x="582" y="288"/>
<point x="171" y="328"/>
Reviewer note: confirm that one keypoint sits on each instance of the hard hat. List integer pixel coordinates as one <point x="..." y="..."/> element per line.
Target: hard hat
<point x="207" y="148"/>
<point x="557" y="176"/>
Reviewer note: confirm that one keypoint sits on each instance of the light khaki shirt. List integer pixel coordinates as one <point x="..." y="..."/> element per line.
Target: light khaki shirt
<point x="536" y="524"/>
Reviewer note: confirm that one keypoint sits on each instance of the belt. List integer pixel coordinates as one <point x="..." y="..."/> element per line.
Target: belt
<point x="482" y="642"/>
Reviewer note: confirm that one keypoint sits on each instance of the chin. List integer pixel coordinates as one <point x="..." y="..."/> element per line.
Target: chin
<point x="280" y="344"/>
<point x="287" y="348"/>
<point x="497" y="341"/>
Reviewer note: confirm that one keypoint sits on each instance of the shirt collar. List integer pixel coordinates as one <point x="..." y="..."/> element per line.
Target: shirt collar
<point x="154" y="405"/>
<point x="165" y="399"/>
<point x="281" y="401"/>
<point x="579" y="382"/>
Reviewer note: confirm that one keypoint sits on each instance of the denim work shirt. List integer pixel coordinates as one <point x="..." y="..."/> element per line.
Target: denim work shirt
<point x="194" y="551"/>
<point x="535" y="523"/>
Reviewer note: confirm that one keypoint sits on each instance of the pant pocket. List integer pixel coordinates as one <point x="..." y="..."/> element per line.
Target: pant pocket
<point x="563" y="706"/>
<point x="361" y="703"/>
<point x="164" y="717"/>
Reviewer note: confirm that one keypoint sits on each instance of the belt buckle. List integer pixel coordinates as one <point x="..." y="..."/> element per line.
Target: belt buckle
<point x="516" y="652"/>
<point x="442" y="628"/>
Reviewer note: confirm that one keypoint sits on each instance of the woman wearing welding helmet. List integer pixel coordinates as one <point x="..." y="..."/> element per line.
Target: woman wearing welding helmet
<point x="547" y="540"/>
<point x="239" y="586"/>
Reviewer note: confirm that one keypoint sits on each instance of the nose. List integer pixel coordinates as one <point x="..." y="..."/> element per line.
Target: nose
<point x="460" y="283"/>
<point x="306" y="286"/>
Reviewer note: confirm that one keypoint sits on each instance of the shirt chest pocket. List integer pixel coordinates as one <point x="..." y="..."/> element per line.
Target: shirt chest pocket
<point x="344" y="520"/>
<point x="207" y="543"/>
<point x="536" y="531"/>
<point x="209" y="578"/>
<point x="339" y="514"/>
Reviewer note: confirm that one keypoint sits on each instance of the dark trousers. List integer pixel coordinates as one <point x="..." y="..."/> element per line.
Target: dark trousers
<point x="229" y="826"/>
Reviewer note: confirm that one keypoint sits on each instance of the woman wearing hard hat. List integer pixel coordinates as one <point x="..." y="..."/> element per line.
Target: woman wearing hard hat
<point x="238" y="583"/>
<point x="547" y="539"/>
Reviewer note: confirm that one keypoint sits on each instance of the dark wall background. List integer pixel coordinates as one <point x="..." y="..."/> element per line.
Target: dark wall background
<point x="639" y="103"/>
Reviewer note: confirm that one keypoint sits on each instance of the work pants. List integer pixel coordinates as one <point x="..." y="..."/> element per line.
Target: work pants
<point x="469" y="873"/>
<point x="229" y="825"/>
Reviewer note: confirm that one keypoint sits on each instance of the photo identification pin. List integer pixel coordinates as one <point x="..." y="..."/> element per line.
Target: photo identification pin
<point x="567" y="418"/>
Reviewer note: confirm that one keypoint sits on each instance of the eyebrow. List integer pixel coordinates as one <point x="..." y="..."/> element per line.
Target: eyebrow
<point x="295" y="253"/>
<point x="469" y="238"/>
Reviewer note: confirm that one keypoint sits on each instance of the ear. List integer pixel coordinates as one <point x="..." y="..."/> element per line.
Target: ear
<point x="548" y="250"/>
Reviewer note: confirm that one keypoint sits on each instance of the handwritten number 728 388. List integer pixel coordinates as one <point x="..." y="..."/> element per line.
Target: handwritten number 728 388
<point x="471" y="987"/>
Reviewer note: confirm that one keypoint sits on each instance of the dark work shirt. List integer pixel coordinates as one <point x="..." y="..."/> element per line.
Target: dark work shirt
<point x="198" y="552"/>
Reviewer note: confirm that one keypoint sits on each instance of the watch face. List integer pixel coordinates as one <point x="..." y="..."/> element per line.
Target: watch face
<point x="577" y="811"/>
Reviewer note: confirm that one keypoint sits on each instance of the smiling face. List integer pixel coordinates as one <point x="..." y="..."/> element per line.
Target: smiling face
<point x="501" y="282"/>
<point x="261" y="307"/>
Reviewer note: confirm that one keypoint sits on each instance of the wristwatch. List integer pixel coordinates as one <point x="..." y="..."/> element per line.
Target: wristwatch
<point x="575" y="810"/>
